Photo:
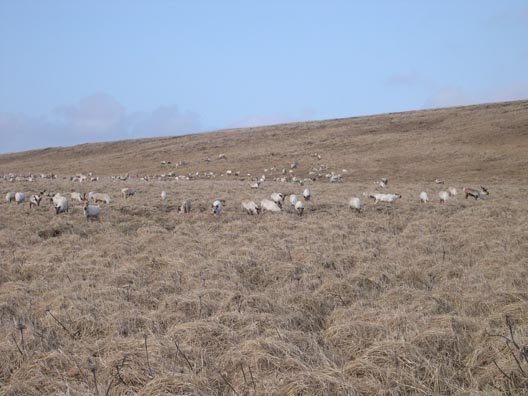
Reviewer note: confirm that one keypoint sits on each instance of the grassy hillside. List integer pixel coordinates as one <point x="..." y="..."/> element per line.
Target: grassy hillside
<point x="400" y="299"/>
<point x="485" y="141"/>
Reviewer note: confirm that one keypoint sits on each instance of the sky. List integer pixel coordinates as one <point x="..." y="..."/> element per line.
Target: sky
<point x="73" y="72"/>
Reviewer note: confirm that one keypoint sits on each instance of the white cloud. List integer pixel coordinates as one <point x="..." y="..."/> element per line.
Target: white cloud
<point x="98" y="117"/>
<point x="447" y="97"/>
<point x="165" y="120"/>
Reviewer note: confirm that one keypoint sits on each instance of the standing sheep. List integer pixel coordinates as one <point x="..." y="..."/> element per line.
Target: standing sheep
<point x="185" y="207"/>
<point x="164" y="195"/>
<point x="35" y="200"/>
<point x="269" y="206"/>
<point x="307" y="194"/>
<point x="10" y="196"/>
<point x="128" y="192"/>
<point x="251" y="207"/>
<point x="217" y="207"/>
<point x="278" y="198"/>
<point x="20" y="197"/>
<point x="61" y="205"/>
<point x="444" y="196"/>
<point x="299" y="207"/>
<point x="424" y="197"/>
<point x="355" y="204"/>
<point x="91" y="212"/>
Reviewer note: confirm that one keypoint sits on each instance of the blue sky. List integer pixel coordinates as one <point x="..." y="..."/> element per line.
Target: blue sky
<point x="82" y="71"/>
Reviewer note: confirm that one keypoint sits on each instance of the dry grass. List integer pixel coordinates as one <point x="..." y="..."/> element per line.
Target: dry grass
<point x="399" y="300"/>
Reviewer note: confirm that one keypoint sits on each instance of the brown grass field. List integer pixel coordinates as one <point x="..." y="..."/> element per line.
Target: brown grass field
<point x="403" y="299"/>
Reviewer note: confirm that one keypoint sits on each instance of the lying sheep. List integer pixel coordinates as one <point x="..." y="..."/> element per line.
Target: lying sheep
<point x="78" y="196"/>
<point x="270" y="206"/>
<point x="20" y="197"/>
<point x="424" y="197"/>
<point x="355" y="204"/>
<point x="10" y="196"/>
<point x="217" y="207"/>
<point x="251" y="207"/>
<point x="100" y="197"/>
<point x="185" y="207"/>
<point x="91" y="212"/>
<point x="128" y="192"/>
<point x="390" y="198"/>
<point x="471" y="192"/>
<point x="299" y="207"/>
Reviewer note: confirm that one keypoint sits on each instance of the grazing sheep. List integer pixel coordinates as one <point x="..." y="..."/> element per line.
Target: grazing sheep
<point x="307" y="194"/>
<point x="475" y="193"/>
<point x="20" y="197"/>
<point x="390" y="198"/>
<point x="128" y="192"/>
<point x="424" y="197"/>
<point x="35" y="199"/>
<point x="251" y="207"/>
<point x="100" y="197"/>
<point x="78" y="196"/>
<point x="164" y="195"/>
<point x="452" y="191"/>
<point x="10" y="196"/>
<point x="293" y="199"/>
<point x="355" y="204"/>
<point x="278" y="198"/>
<point x="269" y="206"/>
<point x="185" y="207"/>
<point x="299" y="207"/>
<point x="217" y="207"/>
<point x="61" y="205"/>
<point x="91" y="212"/>
<point x="444" y="196"/>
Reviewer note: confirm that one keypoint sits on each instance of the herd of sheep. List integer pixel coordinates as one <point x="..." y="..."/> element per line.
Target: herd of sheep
<point x="92" y="210"/>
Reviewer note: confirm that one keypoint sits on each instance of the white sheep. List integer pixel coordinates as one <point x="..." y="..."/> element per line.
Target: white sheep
<point x="424" y="197"/>
<point x="91" y="212"/>
<point x="471" y="192"/>
<point x="255" y="185"/>
<point x="186" y="206"/>
<point x="390" y="198"/>
<point x="251" y="207"/>
<point x="439" y="181"/>
<point x="10" y="196"/>
<point x="270" y="206"/>
<point x="307" y="194"/>
<point x="278" y="198"/>
<point x="164" y="195"/>
<point x="128" y="192"/>
<point x="299" y="207"/>
<point x="100" y="197"/>
<point x="78" y="196"/>
<point x="35" y="199"/>
<point x="61" y="205"/>
<point x="217" y="207"/>
<point x="293" y="199"/>
<point x="452" y="191"/>
<point x="444" y="196"/>
<point x="20" y="197"/>
<point x="355" y="204"/>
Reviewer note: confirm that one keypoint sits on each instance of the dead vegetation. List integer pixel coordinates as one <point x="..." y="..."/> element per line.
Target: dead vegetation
<point x="398" y="300"/>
